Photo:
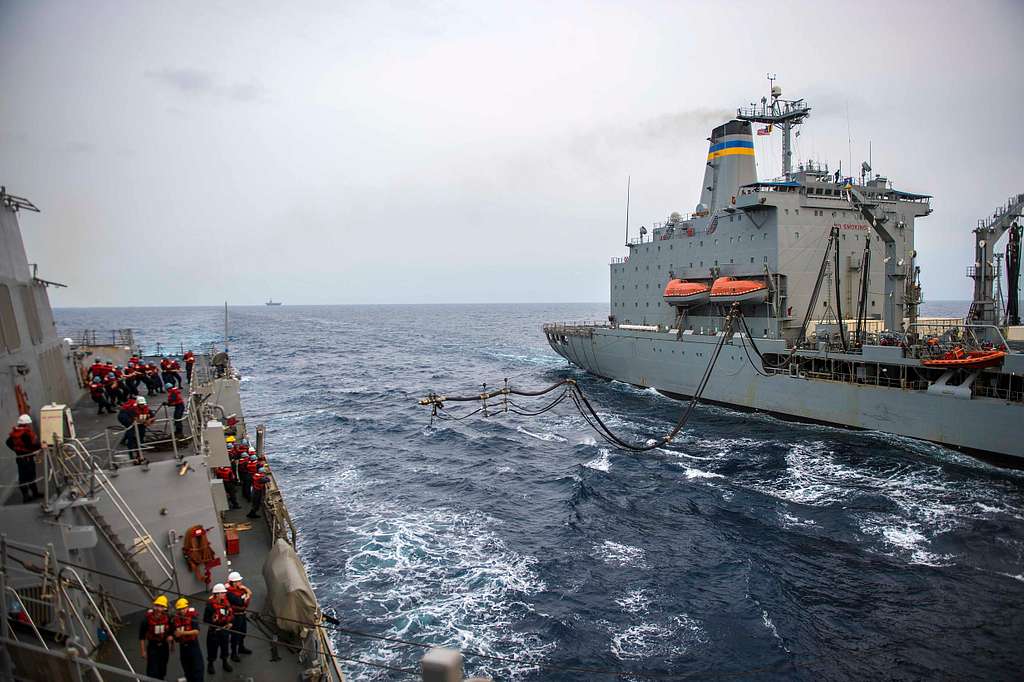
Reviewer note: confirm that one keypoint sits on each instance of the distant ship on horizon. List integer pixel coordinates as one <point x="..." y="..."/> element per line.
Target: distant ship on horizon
<point x="271" y="301"/>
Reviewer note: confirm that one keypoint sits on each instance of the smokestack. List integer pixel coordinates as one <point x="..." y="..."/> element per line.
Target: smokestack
<point x="730" y="164"/>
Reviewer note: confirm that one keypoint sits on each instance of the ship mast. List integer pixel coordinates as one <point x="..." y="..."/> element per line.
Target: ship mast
<point x="775" y="111"/>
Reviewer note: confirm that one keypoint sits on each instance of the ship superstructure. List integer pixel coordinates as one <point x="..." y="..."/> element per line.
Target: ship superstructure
<point x="820" y="267"/>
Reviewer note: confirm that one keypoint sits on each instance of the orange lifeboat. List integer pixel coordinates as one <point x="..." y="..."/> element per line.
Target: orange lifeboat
<point x="975" y="359"/>
<point x="682" y="293"/>
<point x="732" y="290"/>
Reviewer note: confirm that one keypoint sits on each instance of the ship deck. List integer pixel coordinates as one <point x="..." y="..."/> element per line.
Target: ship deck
<point x="254" y="543"/>
<point x="259" y="666"/>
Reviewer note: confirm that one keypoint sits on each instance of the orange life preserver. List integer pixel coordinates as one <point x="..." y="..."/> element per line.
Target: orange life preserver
<point x="222" y="614"/>
<point x="239" y="592"/>
<point x="186" y="622"/>
<point x="24" y="440"/>
<point x="156" y="625"/>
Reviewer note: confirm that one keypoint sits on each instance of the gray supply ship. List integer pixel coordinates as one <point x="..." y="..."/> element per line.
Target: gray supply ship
<point x="813" y="281"/>
<point x="80" y="566"/>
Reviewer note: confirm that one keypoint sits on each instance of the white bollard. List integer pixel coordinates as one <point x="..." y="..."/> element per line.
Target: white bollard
<point x="442" y="665"/>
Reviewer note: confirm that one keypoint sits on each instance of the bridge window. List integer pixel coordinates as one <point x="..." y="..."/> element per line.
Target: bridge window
<point x="796" y="235"/>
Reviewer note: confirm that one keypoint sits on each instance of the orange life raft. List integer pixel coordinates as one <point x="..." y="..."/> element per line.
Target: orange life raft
<point x="975" y="359"/>
<point x="731" y="290"/>
<point x="680" y="292"/>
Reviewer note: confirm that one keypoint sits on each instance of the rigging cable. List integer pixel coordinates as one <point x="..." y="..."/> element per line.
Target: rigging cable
<point x="584" y="406"/>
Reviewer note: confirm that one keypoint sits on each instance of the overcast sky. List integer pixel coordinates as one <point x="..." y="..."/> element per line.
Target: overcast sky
<point x="191" y="153"/>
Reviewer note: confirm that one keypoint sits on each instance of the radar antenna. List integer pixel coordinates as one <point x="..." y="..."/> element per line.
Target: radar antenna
<point x="775" y="111"/>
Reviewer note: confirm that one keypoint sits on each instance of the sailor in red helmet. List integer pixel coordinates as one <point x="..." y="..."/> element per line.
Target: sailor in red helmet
<point x="219" y="616"/>
<point x="155" y="637"/>
<point x="25" y="444"/>
<point x="239" y="597"/>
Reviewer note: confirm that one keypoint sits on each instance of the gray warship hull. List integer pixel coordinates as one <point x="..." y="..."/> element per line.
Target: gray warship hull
<point x="818" y="271"/>
<point x="674" y="366"/>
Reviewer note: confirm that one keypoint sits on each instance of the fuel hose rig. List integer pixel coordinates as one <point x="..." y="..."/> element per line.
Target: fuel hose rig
<point x="504" y="400"/>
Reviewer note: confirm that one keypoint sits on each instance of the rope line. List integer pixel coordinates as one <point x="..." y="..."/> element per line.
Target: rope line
<point x="583" y="404"/>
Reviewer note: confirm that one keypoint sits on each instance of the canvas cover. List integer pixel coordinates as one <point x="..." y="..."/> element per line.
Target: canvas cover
<point x="289" y="595"/>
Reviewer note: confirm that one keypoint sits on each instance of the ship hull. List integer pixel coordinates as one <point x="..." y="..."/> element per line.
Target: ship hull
<point x="674" y="366"/>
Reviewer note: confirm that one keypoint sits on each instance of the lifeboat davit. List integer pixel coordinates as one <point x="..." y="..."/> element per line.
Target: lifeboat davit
<point x="682" y="293"/>
<point x="974" y="359"/>
<point x="732" y="290"/>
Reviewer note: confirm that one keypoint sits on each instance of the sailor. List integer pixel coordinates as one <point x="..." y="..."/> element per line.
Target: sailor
<point x="131" y="417"/>
<point x="152" y="378"/>
<point x="227" y="475"/>
<point x="239" y="597"/>
<point x="98" y="393"/>
<point x="246" y="468"/>
<point x="175" y="370"/>
<point x="155" y="637"/>
<point x="218" y="615"/>
<point x="132" y="377"/>
<point x="259" y="484"/>
<point x="96" y="369"/>
<point x="190" y="360"/>
<point x="25" y="444"/>
<point x="144" y="417"/>
<point x="175" y="400"/>
<point x="167" y="373"/>
<point x="113" y="388"/>
<point x="186" y="634"/>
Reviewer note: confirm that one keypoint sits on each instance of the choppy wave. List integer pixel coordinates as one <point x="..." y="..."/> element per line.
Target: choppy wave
<point x="746" y="543"/>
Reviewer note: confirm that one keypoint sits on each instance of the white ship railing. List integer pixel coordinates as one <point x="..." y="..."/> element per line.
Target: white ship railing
<point x="97" y="475"/>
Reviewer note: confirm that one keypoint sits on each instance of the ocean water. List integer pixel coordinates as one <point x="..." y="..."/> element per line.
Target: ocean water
<point x="749" y="547"/>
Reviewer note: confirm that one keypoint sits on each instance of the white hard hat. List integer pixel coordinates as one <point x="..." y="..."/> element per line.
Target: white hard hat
<point x="234" y="577"/>
<point x="140" y="400"/>
<point x="219" y="588"/>
<point x="24" y="420"/>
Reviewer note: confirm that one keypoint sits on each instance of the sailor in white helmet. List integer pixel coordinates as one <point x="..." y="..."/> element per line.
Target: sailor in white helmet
<point x="218" y="616"/>
<point x="239" y="597"/>
<point x="25" y="444"/>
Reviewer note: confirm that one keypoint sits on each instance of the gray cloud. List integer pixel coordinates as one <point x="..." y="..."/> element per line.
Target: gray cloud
<point x="200" y="82"/>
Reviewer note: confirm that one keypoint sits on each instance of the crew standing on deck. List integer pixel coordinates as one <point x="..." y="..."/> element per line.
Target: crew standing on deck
<point x="155" y="637"/>
<point x="175" y="401"/>
<point x="186" y="634"/>
<point x="259" y="485"/>
<point x="190" y="360"/>
<point x="239" y="597"/>
<point x="25" y="444"/>
<point x="218" y="615"/>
